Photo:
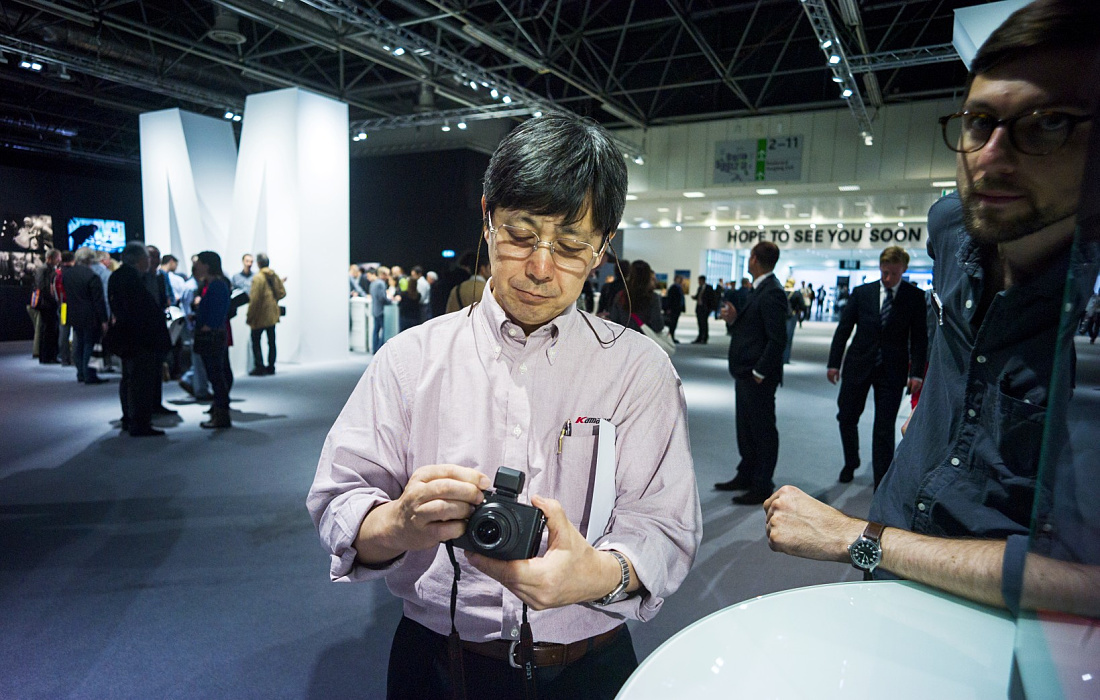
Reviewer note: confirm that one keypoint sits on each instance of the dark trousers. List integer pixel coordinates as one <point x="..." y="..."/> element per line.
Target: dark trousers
<point x="257" y="352"/>
<point x="64" y="345"/>
<point x="84" y="339"/>
<point x="673" y="320"/>
<point x="51" y="331"/>
<point x="379" y="333"/>
<point x="419" y="670"/>
<point x="220" y="375"/>
<point x="757" y="436"/>
<point x="137" y="391"/>
<point x="851" y="401"/>
<point x="704" y="325"/>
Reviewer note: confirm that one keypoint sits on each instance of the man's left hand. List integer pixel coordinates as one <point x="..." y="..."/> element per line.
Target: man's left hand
<point x="571" y="571"/>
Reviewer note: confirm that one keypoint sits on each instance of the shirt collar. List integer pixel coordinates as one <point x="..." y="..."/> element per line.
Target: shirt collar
<point x="760" y="280"/>
<point x="502" y="334"/>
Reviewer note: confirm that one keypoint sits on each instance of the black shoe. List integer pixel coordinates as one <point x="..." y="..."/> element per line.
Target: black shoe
<point x="847" y="474"/>
<point x="145" y="432"/>
<point x="269" y="370"/>
<point x="164" y="411"/>
<point x="258" y="372"/>
<point x="751" y="498"/>
<point x="737" y="483"/>
<point x="95" y="380"/>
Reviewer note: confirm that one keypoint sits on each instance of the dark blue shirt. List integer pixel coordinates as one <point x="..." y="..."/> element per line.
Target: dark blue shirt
<point x="213" y="310"/>
<point x="968" y="464"/>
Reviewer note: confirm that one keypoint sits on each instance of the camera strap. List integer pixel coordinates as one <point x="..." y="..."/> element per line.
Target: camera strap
<point x="454" y="642"/>
<point x="527" y="658"/>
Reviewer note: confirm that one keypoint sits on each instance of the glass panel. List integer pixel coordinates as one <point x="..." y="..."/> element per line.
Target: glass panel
<point x="1057" y="650"/>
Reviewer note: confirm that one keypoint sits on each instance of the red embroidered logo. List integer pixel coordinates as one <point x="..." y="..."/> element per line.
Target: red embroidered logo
<point x="586" y="419"/>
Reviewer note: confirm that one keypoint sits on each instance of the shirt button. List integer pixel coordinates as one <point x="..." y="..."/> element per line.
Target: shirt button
<point x="969" y="303"/>
<point x="516" y="431"/>
<point x="921" y="507"/>
<point x="980" y="359"/>
<point x="514" y="632"/>
<point x="971" y="413"/>
<point x="523" y="369"/>
<point x="954" y="460"/>
<point x="496" y="349"/>
<point x="512" y="332"/>
<point x="1047" y="527"/>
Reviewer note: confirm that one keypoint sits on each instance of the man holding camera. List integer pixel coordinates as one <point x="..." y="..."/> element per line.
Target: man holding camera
<point x="527" y="381"/>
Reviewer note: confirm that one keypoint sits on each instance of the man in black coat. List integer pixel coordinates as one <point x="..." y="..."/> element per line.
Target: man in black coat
<point x="759" y="334"/>
<point x="891" y="344"/>
<point x="674" y="301"/>
<point x="86" y="311"/>
<point x="139" y="335"/>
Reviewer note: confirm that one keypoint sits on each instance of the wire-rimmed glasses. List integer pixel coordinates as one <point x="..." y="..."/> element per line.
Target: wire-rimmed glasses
<point x="1038" y="133"/>
<point x="521" y="243"/>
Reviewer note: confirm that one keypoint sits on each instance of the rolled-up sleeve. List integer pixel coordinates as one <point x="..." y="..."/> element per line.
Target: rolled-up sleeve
<point x="657" y="520"/>
<point x="362" y="464"/>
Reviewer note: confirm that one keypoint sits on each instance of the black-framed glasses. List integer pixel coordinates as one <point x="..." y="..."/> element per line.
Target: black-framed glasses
<point x="1039" y="133"/>
<point x="567" y="253"/>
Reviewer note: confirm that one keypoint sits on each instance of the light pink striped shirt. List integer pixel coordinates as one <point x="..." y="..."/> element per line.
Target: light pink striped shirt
<point x="473" y="391"/>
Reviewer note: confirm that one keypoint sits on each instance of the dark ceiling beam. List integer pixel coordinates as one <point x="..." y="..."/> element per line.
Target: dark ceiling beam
<point x="708" y="53"/>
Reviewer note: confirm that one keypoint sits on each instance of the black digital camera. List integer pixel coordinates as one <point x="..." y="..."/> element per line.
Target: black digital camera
<point x="500" y="527"/>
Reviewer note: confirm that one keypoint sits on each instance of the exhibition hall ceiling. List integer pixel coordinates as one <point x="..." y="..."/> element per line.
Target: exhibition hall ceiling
<point x="76" y="73"/>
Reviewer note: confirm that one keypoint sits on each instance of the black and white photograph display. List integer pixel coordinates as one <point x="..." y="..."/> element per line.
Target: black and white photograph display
<point x="24" y="243"/>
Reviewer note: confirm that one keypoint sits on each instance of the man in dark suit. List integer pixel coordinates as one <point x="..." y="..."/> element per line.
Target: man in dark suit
<point x="140" y="337"/>
<point x="891" y="344"/>
<point x="675" y="305"/>
<point x="759" y="334"/>
<point x="87" y="311"/>
<point x="703" y="306"/>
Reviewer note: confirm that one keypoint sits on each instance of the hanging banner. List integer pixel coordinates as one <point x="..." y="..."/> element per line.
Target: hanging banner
<point x="776" y="159"/>
<point x="829" y="238"/>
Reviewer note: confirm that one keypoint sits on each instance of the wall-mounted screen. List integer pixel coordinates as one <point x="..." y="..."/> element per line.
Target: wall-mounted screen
<point x="101" y="234"/>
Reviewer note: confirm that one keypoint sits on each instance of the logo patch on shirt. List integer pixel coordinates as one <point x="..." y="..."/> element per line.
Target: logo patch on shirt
<point x="586" y="419"/>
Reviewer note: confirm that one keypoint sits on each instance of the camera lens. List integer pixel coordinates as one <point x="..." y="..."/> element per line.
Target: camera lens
<point x="487" y="533"/>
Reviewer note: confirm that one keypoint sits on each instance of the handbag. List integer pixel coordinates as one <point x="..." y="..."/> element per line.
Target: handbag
<point x="662" y="338"/>
<point x="98" y="361"/>
<point x="209" y="341"/>
<point x="282" y="309"/>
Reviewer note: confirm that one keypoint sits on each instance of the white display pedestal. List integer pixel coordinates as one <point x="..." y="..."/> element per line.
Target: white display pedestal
<point x="362" y="324"/>
<point x="850" y="641"/>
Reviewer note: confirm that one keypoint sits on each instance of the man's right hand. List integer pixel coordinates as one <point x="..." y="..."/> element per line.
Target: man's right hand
<point x="433" y="508"/>
<point x="833" y="375"/>
<point x="728" y="312"/>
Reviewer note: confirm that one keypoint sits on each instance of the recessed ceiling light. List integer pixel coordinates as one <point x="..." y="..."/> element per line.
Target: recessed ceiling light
<point x="868" y="224"/>
<point x="901" y="224"/>
<point x="848" y="188"/>
<point x="803" y="215"/>
<point x="695" y="195"/>
<point x="737" y="227"/>
<point x="663" y="210"/>
<point x="760" y="226"/>
<point x="767" y="190"/>
<point x="723" y="207"/>
<point x="679" y="227"/>
<point x="787" y="226"/>
<point x="944" y="183"/>
<point x="812" y="225"/>
<point x="689" y="218"/>
<point x="713" y="228"/>
<point x="839" y="225"/>
<point x="631" y="197"/>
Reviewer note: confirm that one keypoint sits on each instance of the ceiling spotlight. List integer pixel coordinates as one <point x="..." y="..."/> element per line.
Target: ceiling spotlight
<point x="538" y="113"/>
<point x="839" y="225"/>
<point x="639" y="160"/>
<point x="63" y="74"/>
<point x="787" y="226"/>
<point x="737" y="227"/>
<point x="462" y="125"/>
<point x="355" y="138"/>
<point x="228" y="115"/>
<point x="494" y="94"/>
<point x="399" y="51"/>
<point x="679" y="227"/>
<point x="473" y="85"/>
<point x="713" y="228"/>
<point x="834" y="59"/>
<point x="846" y="93"/>
<point x="812" y="225"/>
<point x="760" y="226"/>
<point x="827" y="43"/>
<point x="767" y="190"/>
<point x="446" y="126"/>
<point x="695" y="195"/>
<point x="506" y="100"/>
<point x="868" y="139"/>
<point x="236" y="117"/>
<point x="838" y="79"/>
<point x="901" y="224"/>
<point x="362" y="135"/>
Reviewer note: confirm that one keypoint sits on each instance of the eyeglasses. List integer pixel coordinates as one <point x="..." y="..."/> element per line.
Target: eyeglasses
<point x="567" y="253"/>
<point x="1035" y="134"/>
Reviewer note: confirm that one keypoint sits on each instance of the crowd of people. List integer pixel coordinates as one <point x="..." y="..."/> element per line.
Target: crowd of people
<point x="91" y="311"/>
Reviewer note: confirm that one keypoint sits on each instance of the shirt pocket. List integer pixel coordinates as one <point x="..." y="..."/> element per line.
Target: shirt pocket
<point x="1019" y="435"/>
<point x="571" y="482"/>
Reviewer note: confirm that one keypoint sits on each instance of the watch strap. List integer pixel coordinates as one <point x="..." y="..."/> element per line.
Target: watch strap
<point x="873" y="531"/>
<point x="620" y="591"/>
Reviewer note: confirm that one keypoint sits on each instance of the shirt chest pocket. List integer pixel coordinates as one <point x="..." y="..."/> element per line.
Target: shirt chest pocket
<point x="572" y="479"/>
<point x="1021" y="419"/>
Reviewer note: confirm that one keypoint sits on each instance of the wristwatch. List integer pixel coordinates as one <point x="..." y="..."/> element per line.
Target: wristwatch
<point x="620" y="591"/>
<point x="866" y="552"/>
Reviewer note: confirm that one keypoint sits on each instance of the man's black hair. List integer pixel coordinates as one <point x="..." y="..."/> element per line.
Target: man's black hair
<point x="559" y="165"/>
<point x="1043" y="25"/>
<point x="134" y="251"/>
<point x="169" y="258"/>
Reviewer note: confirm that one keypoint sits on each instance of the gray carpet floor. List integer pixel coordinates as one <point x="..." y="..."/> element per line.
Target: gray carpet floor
<point x="187" y="566"/>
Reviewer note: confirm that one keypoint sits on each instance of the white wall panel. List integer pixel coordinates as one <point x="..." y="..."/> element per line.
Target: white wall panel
<point x="286" y="195"/>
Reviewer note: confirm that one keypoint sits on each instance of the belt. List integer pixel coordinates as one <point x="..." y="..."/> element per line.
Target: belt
<point x="546" y="653"/>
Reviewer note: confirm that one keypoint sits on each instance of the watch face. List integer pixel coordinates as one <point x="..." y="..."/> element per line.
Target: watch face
<point x="866" y="554"/>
